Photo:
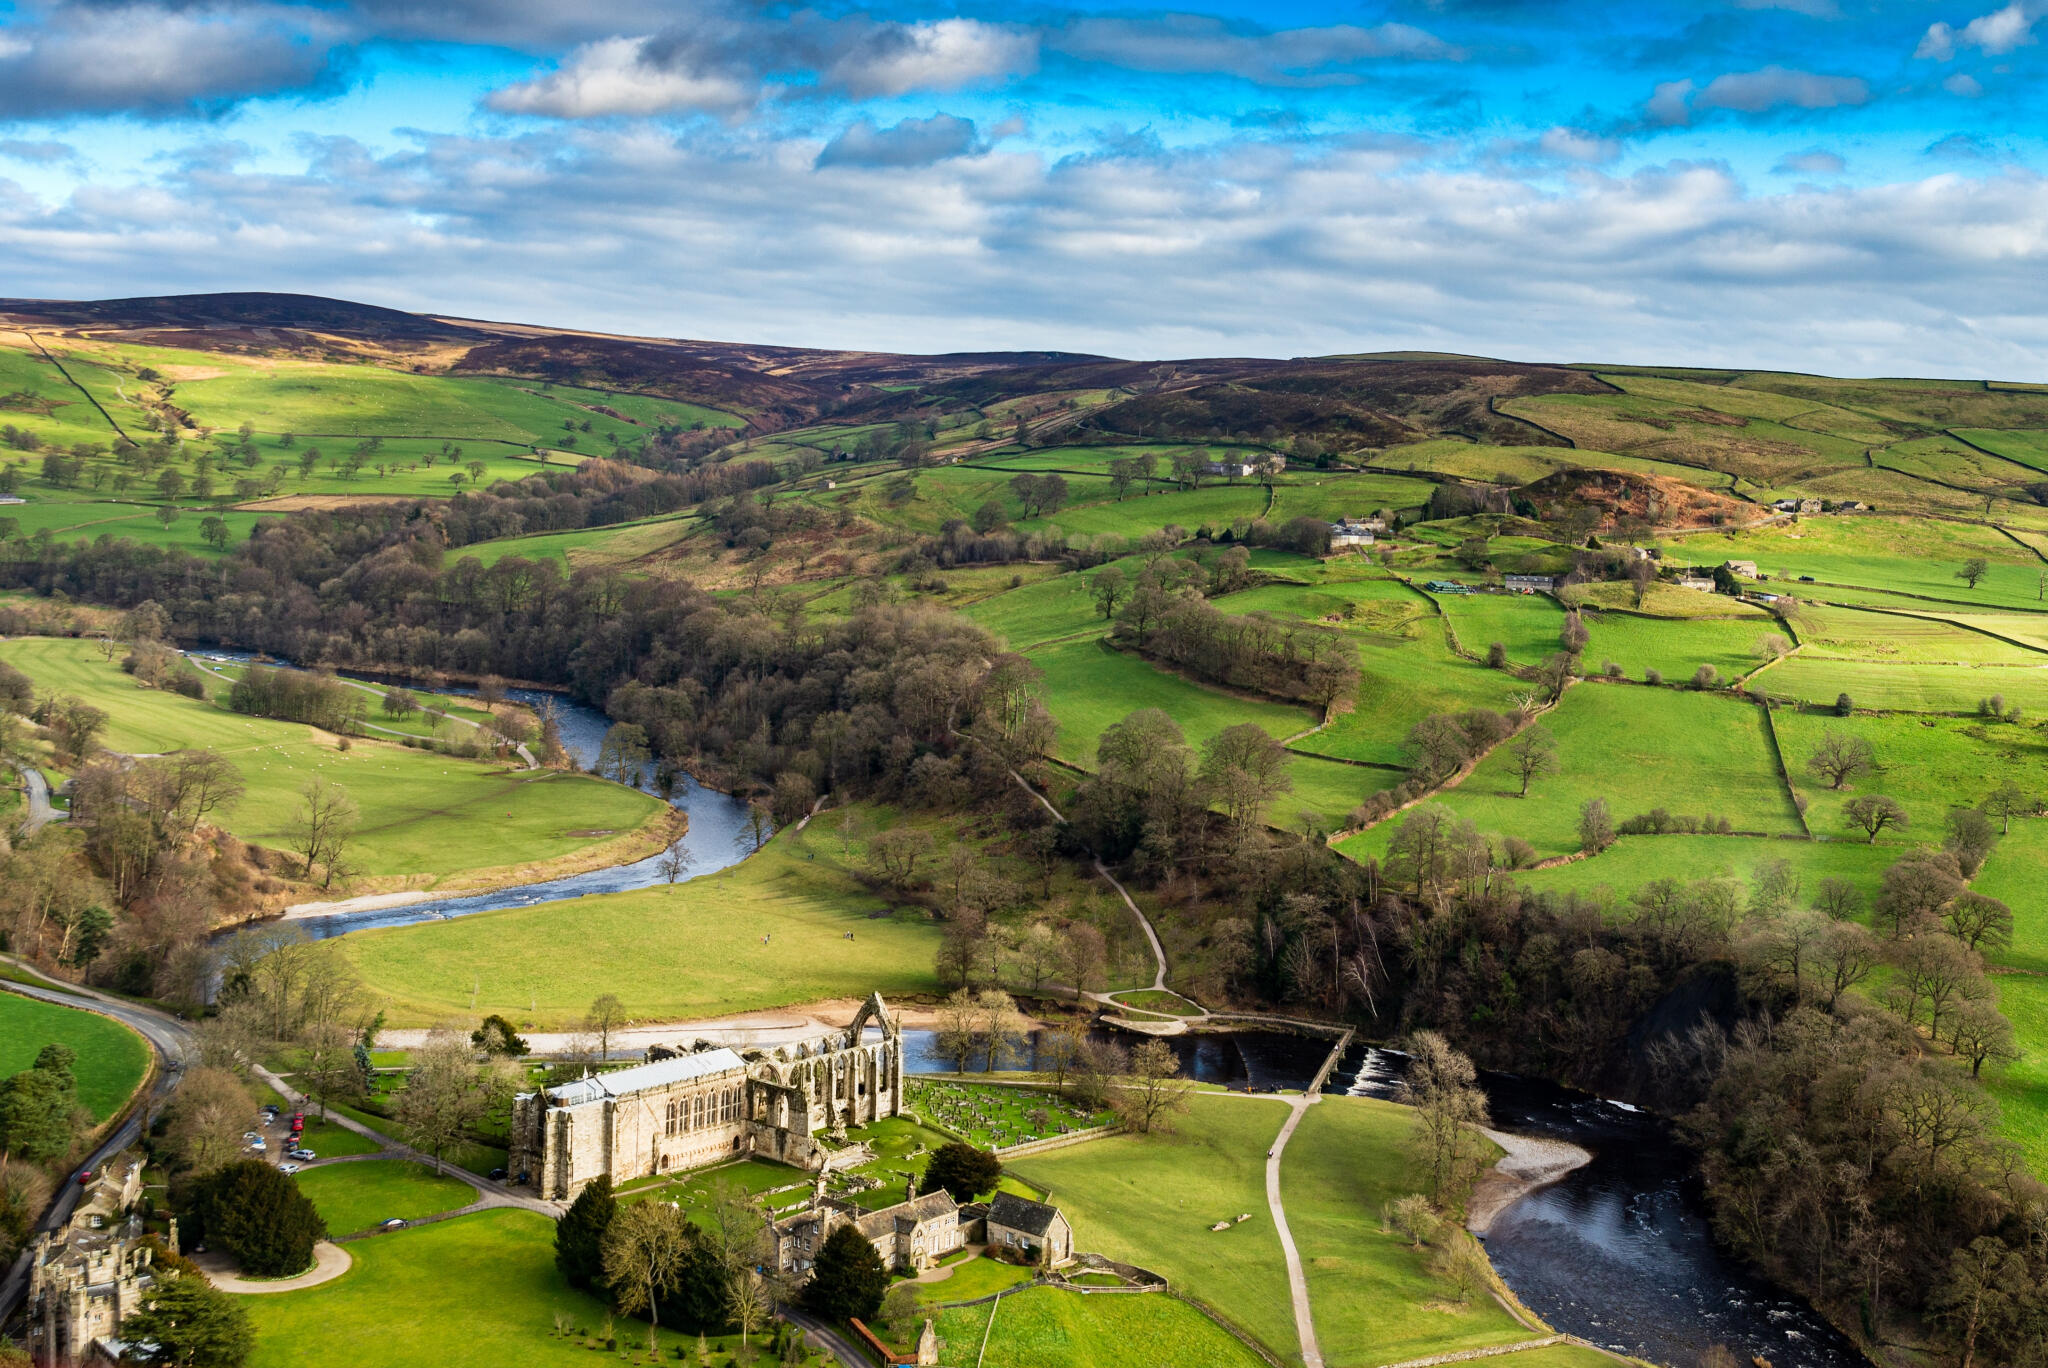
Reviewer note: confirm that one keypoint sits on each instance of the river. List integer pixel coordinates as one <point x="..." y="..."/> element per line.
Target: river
<point x="1620" y="1252"/>
<point x="719" y="834"/>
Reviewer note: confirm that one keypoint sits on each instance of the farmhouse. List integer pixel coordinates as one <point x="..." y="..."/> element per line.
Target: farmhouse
<point x="1447" y="587"/>
<point x="1700" y="583"/>
<point x="1746" y="569"/>
<point x="1354" y="532"/>
<point x="689" y="1107"/>
<point x="1036" y="1231"/>
<point x="1531" y="584"/>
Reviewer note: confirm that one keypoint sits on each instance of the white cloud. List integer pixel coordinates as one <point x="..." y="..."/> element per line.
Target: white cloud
<point x="1573" y="144"/>
<point x="945" y="55"/>
<point x="1753" y="92"/>
<point x="1995" y="33"/>
<point x="1816" y="162"/>
<point x="1268" y="249"/>
<point x="614" y="77"/>
<point x="1964" y="85"/>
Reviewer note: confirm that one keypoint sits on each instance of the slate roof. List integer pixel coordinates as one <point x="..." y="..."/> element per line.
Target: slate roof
<point x="1018" y="1213"/>
<point x="660" y="1074"/>
<point x="916" y="1211"/>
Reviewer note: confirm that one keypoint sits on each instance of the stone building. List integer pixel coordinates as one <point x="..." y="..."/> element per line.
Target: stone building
<point x="1033" y="1230"/>
<point x="85" y="1278"/>
<point x="687" y="1107"/>
<point x="912" y="1235"/>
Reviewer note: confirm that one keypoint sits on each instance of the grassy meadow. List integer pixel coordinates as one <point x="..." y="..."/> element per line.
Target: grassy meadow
<point x="423" y="815"/>
<point x="112" y="1060"/>
<point x="364" y="1193"/>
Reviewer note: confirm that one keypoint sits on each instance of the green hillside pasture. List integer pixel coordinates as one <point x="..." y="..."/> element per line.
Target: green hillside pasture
<point x="478" y="1290"/>
<point x="35" y="395"/>
<point x="1633" y="861"/>
<point x="355" y="1196"/>
<point x="1675" y="647"/>
<point x="1402" y="680"/>
<point x="2014" y="874"/>
<point x="1639" y="748"/>
<point x="111" y="1058"/>
<point x="414" y="467"/>
<point x="1046" y="1327"/>
<point x="1526" y="465"/>
<point x="1928" y="765"/>
<point x="1097" y="458"/>
<point x="1381" y="606"/>
<point x="1060" y="606"/>
<point x="1896" y="493"/>
<point x="2027" y="447"/>
<point x="1217" y="506"/>
<point x="333" y="402"/>
<point x="422" y="813"/>
<point x="1334" y="496"/>
<point x="940" y="495"/>
<point x="1899" y="555"/>
<point x="677" y="951"/>
<point x="1527" y="624"/>
<point x="1953" y="462"/>
<point x="1089" y="688"/>
<point x="1669" y="601"/>
<point x="2022" y="1087"/>
<point x="1373" y="1300"/>
<point x="1908" y="687"/>
<point x="1150" y="1200"/>
<point x="1792" y="411"/>
<point x="2029" y="629"/>
<point x="73" y="515"/>
<point x="1849" y="634"/>
<point x="1757" y="450"/>
<point x="1934" y="403"/>
<point x="618" y="544"/>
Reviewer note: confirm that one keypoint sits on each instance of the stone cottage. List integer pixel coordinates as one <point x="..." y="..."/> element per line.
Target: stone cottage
<point x="912" y="1235"/>
<point x="1033" y="1230"/>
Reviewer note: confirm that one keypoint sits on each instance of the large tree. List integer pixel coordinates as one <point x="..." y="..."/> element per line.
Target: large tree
<point x="258" y="1215"/>
<point x="185" y="1322"/>
<point x="962" y="1170"/>
<point x="647" y="1250"/>
<point x="580" y="1234"/>
<point x="849" y="1279"/>
<point x="1840" y="757"/>
<point x="1441" y="1086"/>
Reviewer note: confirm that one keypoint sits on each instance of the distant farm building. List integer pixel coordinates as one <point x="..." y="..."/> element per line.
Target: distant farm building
<point x="1703" y="585"/>
<point x="1746" y="569"/>
<point x="1033" y="1230"/>
<point x="1353" y="532"/>
<point x="1447" y="587"/>
<point x="1531" y="584"/>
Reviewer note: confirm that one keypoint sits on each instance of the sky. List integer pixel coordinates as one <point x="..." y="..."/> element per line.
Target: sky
<point x="1838" y="186"/>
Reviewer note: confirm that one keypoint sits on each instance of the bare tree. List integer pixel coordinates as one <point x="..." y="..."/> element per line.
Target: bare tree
<point x="1449" y="1108"/>
<point x="1533" y="752"/>
<point x="1873" y="812"/>
<point x="676" y="860"/>
<point x="2008" y="801"/>
<point x="1154" y="1090"/>
<point x="1974" y="569"/>
<point x="448" y="1094"/>
<point x="327" y="818"/>
<point x="606" y="1015"/>
<point x="207" y="1116"/>
<point x="646" y="1251"/>
<point x="1843" y="958"/>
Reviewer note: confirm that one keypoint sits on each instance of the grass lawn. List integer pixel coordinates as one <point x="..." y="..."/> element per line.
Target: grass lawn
<point x="1049" y="1328"/>
<point x="422" y="813"/>
<point x="1909" y="687"/>
<point x="1150" y="1200"/>
<point x="1633" y="861"/>
<point x="1215" y="506"/>
<point x="682" y="950"/>
<point x="694" y="1191"/>
<point x="617" y="544"/>
<point x="356" y="1196"/>
<point x="972" y="1278"/>
<point x="1089" y="688"/>
<point x="111" y="1058"/>
<point x="1675" y="647"/>
<point x="1639" y="748"/>
<point x="1373" y="1300"/>
<point x="1057" y="607"/>
<point x="1527" y="624"/>
<point x="480" y="1291"/>
<point x="1928" y="764"/>
<point x="1152" y="1000"/>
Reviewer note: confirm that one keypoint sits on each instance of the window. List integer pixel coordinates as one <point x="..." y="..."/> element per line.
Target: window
<point x="699" y="1103"/>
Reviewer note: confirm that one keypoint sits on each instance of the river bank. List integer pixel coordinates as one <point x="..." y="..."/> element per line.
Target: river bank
<point x="1529" y="1162"/>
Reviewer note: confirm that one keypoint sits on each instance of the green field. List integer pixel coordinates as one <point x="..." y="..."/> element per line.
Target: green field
<point x="1527" y="624"/>
<point x="1638" y="748"/>
<point x="422" y="813"/>
<point x="1049" y="1328"/>
<point x="1150" y="1200"/>
<point x="71" y="515"/>
<point x="111" y="1058"/>
<point x="1929" y="765"/>
<point x="1090" y="688"/>
<point x="1633" y="861"/>
<point x="364" y="1193"/>
<point x="588" y="546"/>
<point x="684" y="950"/>
<point x="1909" y="687"/>
<point x="1904" y="556"/>
<point x="1373" y="1300"/>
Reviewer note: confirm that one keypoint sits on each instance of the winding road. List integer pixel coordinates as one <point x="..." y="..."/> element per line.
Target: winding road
<point x="41" y="812"/>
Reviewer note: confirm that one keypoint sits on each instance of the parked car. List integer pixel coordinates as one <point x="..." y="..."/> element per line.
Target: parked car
<point x="300" y="1152"/>
<point x="395" y="1223"/>
<point x="497" y="1175"/>
<point x="259" y="1146"/>
<point x="84" y="1177"/>
<point x="287" y="1168"/>
<point x="252" y="1135"/>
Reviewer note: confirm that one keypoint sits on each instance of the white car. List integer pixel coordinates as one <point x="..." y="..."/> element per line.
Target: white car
<point x="302" y="1154"/>
<point x="287" y="1168"/>
<point x="250" y="1136"/>
<point x="258" y="1146"/>
<point x="395" y="1223"/>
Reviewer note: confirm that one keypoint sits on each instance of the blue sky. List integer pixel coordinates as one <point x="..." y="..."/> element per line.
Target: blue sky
<point x="1852" y="186"/>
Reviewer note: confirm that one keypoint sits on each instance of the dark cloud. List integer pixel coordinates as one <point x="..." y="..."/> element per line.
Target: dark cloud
<point x="912" y="142"/>
<point x="1194" y="43"/>
<point x="42" y="153"/>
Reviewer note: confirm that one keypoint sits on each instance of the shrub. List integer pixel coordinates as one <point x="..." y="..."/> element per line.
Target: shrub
<point x="1705" y="677"/>
<point x="1653" y="676"/>
<point x="1518" y="852"/>
<point x="1612" y="669"/>
<point x="1844" y="705"/>
<point x="1497" y="656"/>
